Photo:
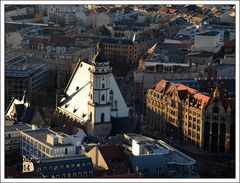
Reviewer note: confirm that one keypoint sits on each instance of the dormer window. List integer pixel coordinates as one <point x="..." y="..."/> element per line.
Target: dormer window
<point x="74" y="110"/>
<point x="215" y="109"/>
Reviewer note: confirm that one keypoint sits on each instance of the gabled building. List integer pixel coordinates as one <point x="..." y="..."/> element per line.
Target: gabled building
<point x="109" y="160"/>
<point x="92" y="96"/>
<point x="181" y="112"/>
<point x="22" y="111"/>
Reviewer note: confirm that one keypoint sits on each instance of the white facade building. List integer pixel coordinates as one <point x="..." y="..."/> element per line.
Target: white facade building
<point x="93" y="97"/>
<point x="208" y="41"/>
<point x="45" y="143"/>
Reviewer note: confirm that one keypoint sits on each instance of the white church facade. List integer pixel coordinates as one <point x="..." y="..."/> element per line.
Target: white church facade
<point x="92" y="96"/>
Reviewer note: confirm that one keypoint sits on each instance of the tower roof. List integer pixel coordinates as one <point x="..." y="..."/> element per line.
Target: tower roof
<point x="100" y="56"/>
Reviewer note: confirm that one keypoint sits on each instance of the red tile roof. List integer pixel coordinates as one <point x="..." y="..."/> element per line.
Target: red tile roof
<point x="183" y="91"/>
<point x="229" y="43"/>
<point x="62" y="40"/>
<point x="202" y="98"/>
<point x="183" y="87"/>
<point x="172" y="10"/>
<point x="163" y="9"/>
<point x="160" y="85"/>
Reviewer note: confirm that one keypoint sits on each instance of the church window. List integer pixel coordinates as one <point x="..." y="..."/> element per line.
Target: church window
<point x="103" y="97"/>
<point x="111" y="96"/>
<point x="102" y="117"/>
<point x="215" y="109"/>
<point x="103" y="85"/>
<point x="90" y="116"/>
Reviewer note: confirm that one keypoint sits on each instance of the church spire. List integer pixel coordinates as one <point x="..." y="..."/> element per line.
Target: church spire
<point x="216" y="93"/>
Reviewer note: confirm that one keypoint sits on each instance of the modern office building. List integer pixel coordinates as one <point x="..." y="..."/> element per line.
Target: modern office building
<point x="44" y="143"/>
<point x="59" y="167"/>
<point x="21" y="76"/>
<point x="157" y="159"/>
<point x="12" y="136"/>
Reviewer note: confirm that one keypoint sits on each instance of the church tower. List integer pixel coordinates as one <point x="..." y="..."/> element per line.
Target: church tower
<point x="99" y="105"/>
<point x="92" y="96"/>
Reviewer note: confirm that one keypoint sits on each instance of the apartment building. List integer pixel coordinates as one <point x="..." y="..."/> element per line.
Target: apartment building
<point x="129" y="51"/>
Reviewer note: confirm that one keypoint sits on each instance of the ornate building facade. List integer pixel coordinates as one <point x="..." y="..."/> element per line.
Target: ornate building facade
<point x="177" y="111"/>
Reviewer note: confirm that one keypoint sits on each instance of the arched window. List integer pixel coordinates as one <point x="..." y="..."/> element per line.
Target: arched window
<point x="103" y="97"/>
<point x="111" y="96"/>
<point x="102" y="117"/>
<point x="215" y="109"/>
<point x="90" y="116"/>
<point x="103" y="85"/>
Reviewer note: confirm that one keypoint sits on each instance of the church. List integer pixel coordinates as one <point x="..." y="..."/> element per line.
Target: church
<point x="92" y="96"/>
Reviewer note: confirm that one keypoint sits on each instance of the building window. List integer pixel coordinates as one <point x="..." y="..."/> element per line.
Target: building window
<point x="102" y="117"/>
<point x="215" y="109"/>
<point x="78" y="164"/>
<point x="103" y="85"/>
<point x="69" y="175"/>
<point x="66" y="151"/>
<point x="67" y="166"/>
<point x="50" y="168"/>
<point x="103" y="97"/>
<point x="80" y="174"/>
<point x="74" y="175"/>
<point x="90" y="173"/>
<point x="56" y="167"/>
<point x="72" y="165"/>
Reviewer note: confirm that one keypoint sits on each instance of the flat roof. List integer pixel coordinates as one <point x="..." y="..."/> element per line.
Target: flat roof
<point x="64" y="158"/>
<point x="41" y="135"/>
<point x="166" y="64"/>
<point x="209" y="33"/>
<point x="18" y="127"/>
<point x="200" y="54"/>
<point x="173" y="155"/>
